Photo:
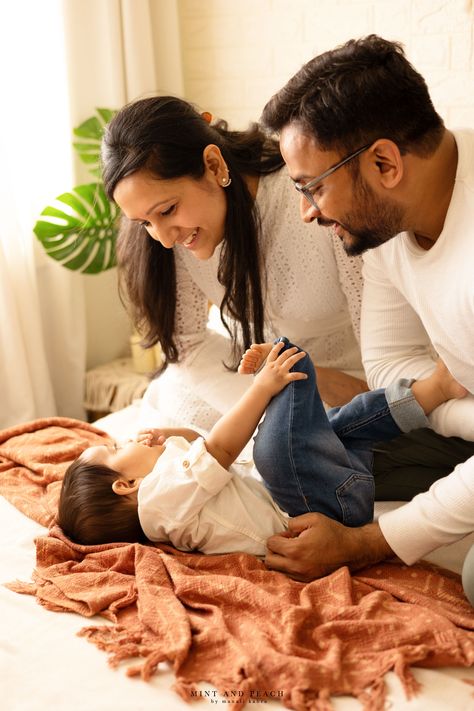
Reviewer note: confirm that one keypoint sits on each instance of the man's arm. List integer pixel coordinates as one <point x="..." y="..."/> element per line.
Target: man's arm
<point x="442" y="515"/>
<point x="234" y="429"/>
<point x="396" y="345"/>
<point x="315" y="545"/>
<point x="394" y="342"/>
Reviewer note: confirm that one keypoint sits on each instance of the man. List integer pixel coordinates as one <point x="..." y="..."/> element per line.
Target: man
<point x="388" y="175"/>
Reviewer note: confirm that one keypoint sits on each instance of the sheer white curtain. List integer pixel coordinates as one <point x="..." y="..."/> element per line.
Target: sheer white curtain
<point x="60" y="59"/>
<point x="118" y="50"/>
<point x="42" y="342"/>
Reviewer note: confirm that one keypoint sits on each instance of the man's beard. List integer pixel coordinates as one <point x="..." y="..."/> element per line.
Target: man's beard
<point x="379" y="220"/>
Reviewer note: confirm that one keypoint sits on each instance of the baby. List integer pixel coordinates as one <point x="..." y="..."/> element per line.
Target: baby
<point x="172" y="485"/>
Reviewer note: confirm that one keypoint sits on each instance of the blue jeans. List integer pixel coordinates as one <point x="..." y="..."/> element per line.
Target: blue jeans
<point x="313" y="460"/>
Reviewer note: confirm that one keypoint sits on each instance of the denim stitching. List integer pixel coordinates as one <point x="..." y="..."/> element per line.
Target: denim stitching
<point x="345" y="485"/>
<point x="380" y="414"/>
<point x="290" y="447"/>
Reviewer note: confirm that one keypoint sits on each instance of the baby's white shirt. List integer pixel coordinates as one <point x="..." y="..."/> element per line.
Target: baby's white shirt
<point x="192" y="502"/>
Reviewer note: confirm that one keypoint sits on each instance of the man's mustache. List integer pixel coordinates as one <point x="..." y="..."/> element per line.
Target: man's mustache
<point x="326" y="223"/>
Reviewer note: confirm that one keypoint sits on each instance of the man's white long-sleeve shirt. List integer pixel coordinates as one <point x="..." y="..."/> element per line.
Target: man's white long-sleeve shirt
<point x="437" y="517"/>
<point x="417" y="303"/>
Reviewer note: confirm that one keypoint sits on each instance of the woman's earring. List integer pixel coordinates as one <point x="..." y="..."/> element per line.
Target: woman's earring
<point x="226" y="181"/>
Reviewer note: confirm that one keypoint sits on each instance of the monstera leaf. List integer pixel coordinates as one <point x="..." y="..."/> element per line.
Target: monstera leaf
<point x="92" y="131"/>
<point x="80" y="229"/>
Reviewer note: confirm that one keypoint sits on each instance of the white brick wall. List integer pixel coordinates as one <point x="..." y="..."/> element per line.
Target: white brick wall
<point x="237" y="53"/>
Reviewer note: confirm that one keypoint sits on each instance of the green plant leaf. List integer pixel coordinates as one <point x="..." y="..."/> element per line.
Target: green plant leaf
<point x="80" y="229"/>
<point x="87" y="152"/>
<point x="92" y="130"/>
<point x="106" y="114"/>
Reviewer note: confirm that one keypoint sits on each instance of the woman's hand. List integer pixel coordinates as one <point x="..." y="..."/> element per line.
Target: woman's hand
<point x="338" y="388"/>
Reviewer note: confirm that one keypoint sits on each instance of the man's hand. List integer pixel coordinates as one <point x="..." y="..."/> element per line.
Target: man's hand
<point x="316" y="545"/>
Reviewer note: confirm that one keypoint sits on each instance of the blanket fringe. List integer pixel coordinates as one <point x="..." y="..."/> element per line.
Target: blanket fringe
<point x="185" y="689"/>
<point x="410" y="685"/>
<point x="22" y="588"/>
<point x="323" y="702"/>
<point x="148" y="668"/>
<point x="374" y="698"/>
<point x="308" y="700"/>
<point x="117" y="641"/>
<point x="121" y="644"/>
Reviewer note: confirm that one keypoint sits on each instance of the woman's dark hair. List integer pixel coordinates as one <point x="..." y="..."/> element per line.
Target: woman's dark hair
<point x="90" y="512"/>
<point x="359" y="92"/>
<point x="167" y="136"/>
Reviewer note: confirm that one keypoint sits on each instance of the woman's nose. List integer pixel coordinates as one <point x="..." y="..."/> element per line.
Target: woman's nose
<point x="163" y="236"/>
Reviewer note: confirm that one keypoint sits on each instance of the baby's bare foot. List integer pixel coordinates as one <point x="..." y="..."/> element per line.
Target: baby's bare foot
<point x="449" y="386"/>
<point x="254" y="357"/>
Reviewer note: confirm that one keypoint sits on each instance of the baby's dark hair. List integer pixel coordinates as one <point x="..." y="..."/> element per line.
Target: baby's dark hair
<point x="91" y="513"/>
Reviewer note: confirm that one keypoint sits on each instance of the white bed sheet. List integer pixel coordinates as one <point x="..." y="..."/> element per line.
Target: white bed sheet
<point x="44" y="665"/>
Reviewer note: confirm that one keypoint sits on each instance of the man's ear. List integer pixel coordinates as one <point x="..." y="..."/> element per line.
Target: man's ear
<point x="215" y="163"/>
<point x="385" y="163"/>
<point x="122" y="487"/>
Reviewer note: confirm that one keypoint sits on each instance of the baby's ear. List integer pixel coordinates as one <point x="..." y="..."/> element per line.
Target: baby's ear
<point x="122" y="487"/>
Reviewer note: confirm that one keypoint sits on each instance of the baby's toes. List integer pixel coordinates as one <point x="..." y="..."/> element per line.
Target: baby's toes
<point x="245" y="367"/>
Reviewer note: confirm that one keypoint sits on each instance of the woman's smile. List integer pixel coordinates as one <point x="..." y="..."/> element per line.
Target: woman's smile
<point x="181" y="212"/>
<point x="190" y="241"/>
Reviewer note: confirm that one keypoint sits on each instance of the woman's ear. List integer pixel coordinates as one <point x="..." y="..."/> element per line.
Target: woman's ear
<point x="385" y="163"/>
<point x="215" y="163"/>
<point x="122" y="487"/>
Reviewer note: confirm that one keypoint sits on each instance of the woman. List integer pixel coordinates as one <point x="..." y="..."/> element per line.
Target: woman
<point x="210" y="217"/>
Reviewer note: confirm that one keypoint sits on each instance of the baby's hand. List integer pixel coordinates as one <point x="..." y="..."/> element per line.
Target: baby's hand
<point x="151" y="436"/>
<point x="275" y="374"/>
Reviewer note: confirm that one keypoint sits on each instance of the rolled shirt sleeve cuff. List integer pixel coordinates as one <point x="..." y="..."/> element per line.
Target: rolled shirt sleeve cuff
<point x="404" y="408"/>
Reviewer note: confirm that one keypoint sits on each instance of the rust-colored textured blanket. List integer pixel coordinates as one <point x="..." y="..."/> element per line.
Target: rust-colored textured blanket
<point x="34" y="457"/>
<point x="252" y="633"/>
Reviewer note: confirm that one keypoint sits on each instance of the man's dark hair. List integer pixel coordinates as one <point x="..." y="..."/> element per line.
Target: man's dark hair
<point x="91" y="513"/>
<point x="354" y="94"/>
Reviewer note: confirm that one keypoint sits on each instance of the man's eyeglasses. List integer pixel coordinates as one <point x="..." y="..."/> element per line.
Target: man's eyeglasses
<point x="306" y="189"/>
